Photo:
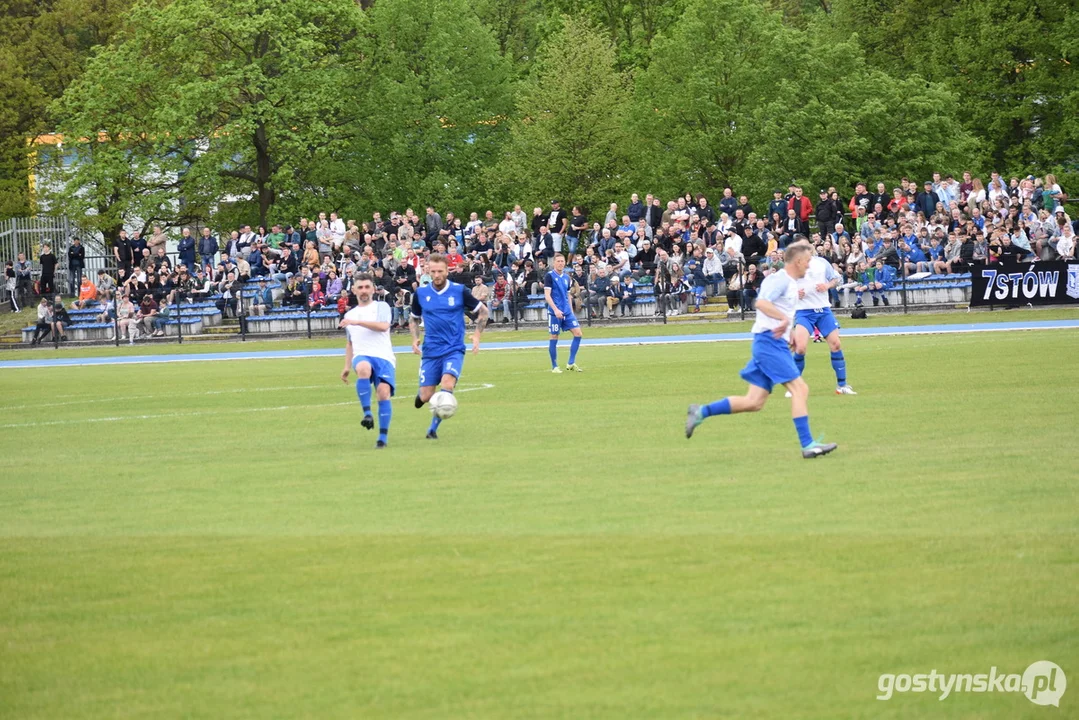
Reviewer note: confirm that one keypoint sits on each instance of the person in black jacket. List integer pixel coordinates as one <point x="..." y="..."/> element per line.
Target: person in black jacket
<point x="121" y="250"/>
<point x="76" y="261"/>
<point x="827" y="212"/>
<point x="48" y="270"/>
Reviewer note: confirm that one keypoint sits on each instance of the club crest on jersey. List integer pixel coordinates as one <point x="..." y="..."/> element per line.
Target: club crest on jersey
<point x="428" y="298"/>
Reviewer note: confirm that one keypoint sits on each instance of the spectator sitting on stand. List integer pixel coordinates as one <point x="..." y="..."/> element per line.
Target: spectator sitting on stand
<point x="316" y="299"/>
<point x="262" y="303"/>
<point x="87" y="294"/>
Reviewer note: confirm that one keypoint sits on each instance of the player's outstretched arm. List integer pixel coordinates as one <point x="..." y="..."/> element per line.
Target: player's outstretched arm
<point x="481" y="322"/>
<point x="348" y="362"/>
<point x="369" y="324"/>
<point x="414" y="322"/>
<point x="414" y="329"/>
<point x="766" y="307"/>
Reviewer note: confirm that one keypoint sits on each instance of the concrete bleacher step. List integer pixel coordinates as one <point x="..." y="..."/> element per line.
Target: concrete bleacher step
<point x="228" y="327"/>
<point x="11" y="339"/>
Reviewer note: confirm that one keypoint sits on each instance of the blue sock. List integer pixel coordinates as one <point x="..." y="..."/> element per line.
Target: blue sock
<point x="800" y="362"/>
<point x="552" y="347"/>
<point x="801" y="424"/>
<point x="385" y="412"/>
<point x="436" y="421"/>
<point x="858" y="295"/>
<point x="363" y="392"/>
<point x="576" y="343"/>
<point x="840" y="367"/>
<point x="719" y="407"/>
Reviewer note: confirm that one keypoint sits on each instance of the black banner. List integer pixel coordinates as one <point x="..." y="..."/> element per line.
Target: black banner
<point x="1034" y="283"/>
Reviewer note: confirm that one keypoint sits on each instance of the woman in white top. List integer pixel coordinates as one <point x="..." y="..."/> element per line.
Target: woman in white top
<point x="977" y="194"/>
<point x="997" y="190"/>
<point x="724" y="224"/>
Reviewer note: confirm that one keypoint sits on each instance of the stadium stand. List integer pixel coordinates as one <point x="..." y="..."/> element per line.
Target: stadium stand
<point x="298" y="280"/>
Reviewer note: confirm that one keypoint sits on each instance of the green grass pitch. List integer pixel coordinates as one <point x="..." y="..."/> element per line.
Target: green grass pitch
<point x="221" y="540"/>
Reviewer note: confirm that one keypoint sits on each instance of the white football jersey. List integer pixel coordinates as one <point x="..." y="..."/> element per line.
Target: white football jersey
<point x="781" y="290"/>
<point x="819" y="271"/>
<point x="370" y="342"/>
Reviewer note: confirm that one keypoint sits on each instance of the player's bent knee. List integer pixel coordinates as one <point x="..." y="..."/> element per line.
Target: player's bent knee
<point x="363" y="370"/>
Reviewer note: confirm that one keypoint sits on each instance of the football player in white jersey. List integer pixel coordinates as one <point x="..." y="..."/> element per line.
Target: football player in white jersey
<point x="814" y="311"/>
<point x="771" y="362"/>
<point x="370" y="353"/>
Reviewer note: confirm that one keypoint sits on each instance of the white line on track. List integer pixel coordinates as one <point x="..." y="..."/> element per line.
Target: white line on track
<point x="202" y="413"/>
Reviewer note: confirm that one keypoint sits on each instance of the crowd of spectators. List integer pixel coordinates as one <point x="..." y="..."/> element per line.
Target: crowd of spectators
<point x="686" y="248"/>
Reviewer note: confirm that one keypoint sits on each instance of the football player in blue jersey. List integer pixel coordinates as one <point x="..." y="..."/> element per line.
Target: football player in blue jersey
<point x="442" y="305"/>
<point x="560" y="315"/>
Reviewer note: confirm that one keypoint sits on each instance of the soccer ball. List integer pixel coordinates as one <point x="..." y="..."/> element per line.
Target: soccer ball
<point x="443" y="405"/>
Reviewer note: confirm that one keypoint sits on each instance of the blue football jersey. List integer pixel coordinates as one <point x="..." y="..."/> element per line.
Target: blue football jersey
<point x="559" y="285"/>
<point x="443" y="316"/>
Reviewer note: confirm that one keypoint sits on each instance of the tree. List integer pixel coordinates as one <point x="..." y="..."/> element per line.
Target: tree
<point x="434" y="102"/>
<point x="700" y="102"/>
<point x="735" y="97"/>
<point x="1010" y="64"/>
<point x="200" y="101"/>
<point x="631" y="24"/>
<point x="569" y="137"/>
<point x="43" y="47"/>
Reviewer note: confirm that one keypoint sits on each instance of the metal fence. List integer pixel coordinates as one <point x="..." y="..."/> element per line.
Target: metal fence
<point x="29" y="235"/>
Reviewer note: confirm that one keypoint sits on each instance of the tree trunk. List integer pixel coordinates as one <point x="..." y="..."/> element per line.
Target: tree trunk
<point x="263" y="173"/>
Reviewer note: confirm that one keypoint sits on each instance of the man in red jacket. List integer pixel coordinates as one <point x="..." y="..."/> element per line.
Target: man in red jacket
<point x="800" y="204"/>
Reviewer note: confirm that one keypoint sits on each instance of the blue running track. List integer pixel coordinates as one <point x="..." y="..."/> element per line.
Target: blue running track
<point x="537" y="344"/>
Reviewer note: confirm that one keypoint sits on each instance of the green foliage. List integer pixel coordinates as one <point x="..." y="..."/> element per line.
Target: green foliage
<point x="433" y="106"/>
<point x="734" y="96"/>
<point x="183" y="110"/>
<point x="631" y="24"/>
<point x="43" y="47"/>
<point x="200" y="101"/>
<point x="1010" y="63"/>
<point x="569" y="138"/>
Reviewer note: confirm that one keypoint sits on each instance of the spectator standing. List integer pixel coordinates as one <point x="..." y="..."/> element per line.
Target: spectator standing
<point x="557" y="224"/>
<point x="11" y="285"/>
<point x="158" y="239"/>
<point x="186" y="250"/>
<point x="23" y="278"/>
<point x="826" y="212"/>
<point x="926" y="201"/>
<point x="433" y="226"/>
<point x="520" y="220"/>
<point x="778" y="206"/>
<point x="48" y="270"/>
<point x="76" y="261"/>
<point x="801" y="205"/>
<point x="578" y="225"/>
<point x="208" y="247"/>
<point x="122" y="251"/>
